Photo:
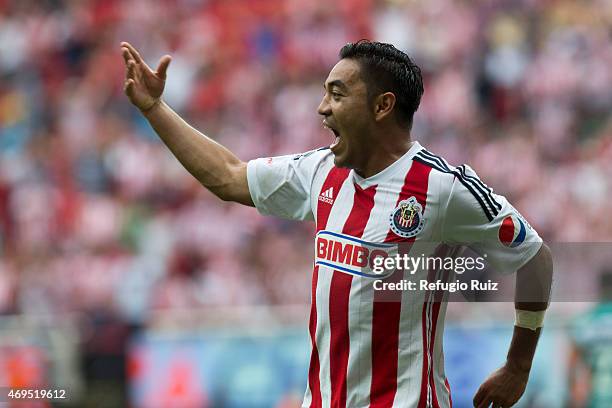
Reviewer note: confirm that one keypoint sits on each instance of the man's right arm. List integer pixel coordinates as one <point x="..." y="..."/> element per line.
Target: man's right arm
<point x="218" y="169"/>
<point x="213" y="165"/>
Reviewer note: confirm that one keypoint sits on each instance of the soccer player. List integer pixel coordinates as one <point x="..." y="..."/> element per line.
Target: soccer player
<point x="590" y="360"/>
<point x="373" y="186"/>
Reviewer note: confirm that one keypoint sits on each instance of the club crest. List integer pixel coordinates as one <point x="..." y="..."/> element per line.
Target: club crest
<point x="407" y="218"/>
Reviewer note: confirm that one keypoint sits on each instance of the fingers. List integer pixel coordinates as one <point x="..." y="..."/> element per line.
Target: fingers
<point x="480" y="395"/>
<point x="132" y="58"/>
<point x="485" y="402"/>
<point x="126" y="55"/>
<point x="130" y="71"/>
<point x="163" y="66"/>
<point x="130" y="64"/>
<point x="134" y="53"/>
<point x="484" y="399"/>
<point x="128" y="87"/>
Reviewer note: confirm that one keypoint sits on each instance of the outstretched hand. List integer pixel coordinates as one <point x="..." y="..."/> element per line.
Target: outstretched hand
<point x="502" y="389"/>
<point x="143" y="86"/>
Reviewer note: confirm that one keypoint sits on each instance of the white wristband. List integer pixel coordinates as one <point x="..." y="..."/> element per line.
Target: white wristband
<point x="528" y="319"/>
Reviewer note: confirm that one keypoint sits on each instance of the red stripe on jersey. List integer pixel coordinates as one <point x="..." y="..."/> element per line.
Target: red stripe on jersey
<point x="385" y="344"/>
<point x="340" y="289"/>
<point x="416" y="184"/>
<point x="432" y="342"/>
<point x="425" y="326"/>
<point x="313" y="369"/>
<point x="437" y="298"/>
<point x="431" y="309"/>
<point x="450" y="399"/>
<point x="335" y="178"/>
<point x="388" y="304"/>
<point x="425" y="365"/>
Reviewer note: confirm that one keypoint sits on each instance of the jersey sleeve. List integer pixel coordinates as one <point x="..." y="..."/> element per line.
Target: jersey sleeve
<point x="487" y="223"/>
<point x="281" y="185"/>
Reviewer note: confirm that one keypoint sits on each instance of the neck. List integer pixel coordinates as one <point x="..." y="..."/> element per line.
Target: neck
<point x="384" y="152"/>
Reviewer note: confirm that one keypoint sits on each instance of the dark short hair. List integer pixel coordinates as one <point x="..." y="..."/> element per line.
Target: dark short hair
<point x="387" y="69"/>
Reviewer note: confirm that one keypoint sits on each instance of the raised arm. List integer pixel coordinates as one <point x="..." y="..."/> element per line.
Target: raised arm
<point x="214" y="166"/>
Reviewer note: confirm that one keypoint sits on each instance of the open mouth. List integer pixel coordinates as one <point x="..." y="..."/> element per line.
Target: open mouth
<point x="335" y="133"/>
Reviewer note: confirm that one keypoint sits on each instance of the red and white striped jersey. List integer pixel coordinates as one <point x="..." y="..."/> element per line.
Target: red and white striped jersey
<point x="370" y="351"/>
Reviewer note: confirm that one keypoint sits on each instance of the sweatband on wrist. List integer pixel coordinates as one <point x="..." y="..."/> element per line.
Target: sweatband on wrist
<point x="528" y="319"/>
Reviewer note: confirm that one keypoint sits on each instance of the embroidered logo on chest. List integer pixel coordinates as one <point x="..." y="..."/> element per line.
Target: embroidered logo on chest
<point x="407" y="218"/>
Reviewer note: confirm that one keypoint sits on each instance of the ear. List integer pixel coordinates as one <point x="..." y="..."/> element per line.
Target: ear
<point x="383" y="105"/>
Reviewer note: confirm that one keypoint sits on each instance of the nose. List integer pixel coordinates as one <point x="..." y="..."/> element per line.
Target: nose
<point x="324" y="108"/>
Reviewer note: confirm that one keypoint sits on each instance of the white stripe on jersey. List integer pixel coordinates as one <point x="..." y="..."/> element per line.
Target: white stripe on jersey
<point x="359" y="373"/>
<point x="411" y="351"/>
<point x="438" y="362"/>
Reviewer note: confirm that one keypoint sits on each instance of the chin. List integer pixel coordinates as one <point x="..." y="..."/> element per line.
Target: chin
<point x="341" y="161"/>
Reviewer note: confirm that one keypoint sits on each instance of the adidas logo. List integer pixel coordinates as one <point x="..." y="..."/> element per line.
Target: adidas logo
<point x="327" y="196"/>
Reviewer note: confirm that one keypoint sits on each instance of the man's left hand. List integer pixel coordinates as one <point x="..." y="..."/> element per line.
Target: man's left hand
<point x="503" y="388"/>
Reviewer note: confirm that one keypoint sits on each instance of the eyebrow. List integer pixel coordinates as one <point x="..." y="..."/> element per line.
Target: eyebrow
<point x="338" y="83"/>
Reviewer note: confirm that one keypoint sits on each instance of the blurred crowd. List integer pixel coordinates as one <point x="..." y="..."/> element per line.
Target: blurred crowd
<point x="96" y="214"/>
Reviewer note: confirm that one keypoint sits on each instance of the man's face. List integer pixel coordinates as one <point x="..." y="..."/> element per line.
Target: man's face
<point x="347" y="113"/>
